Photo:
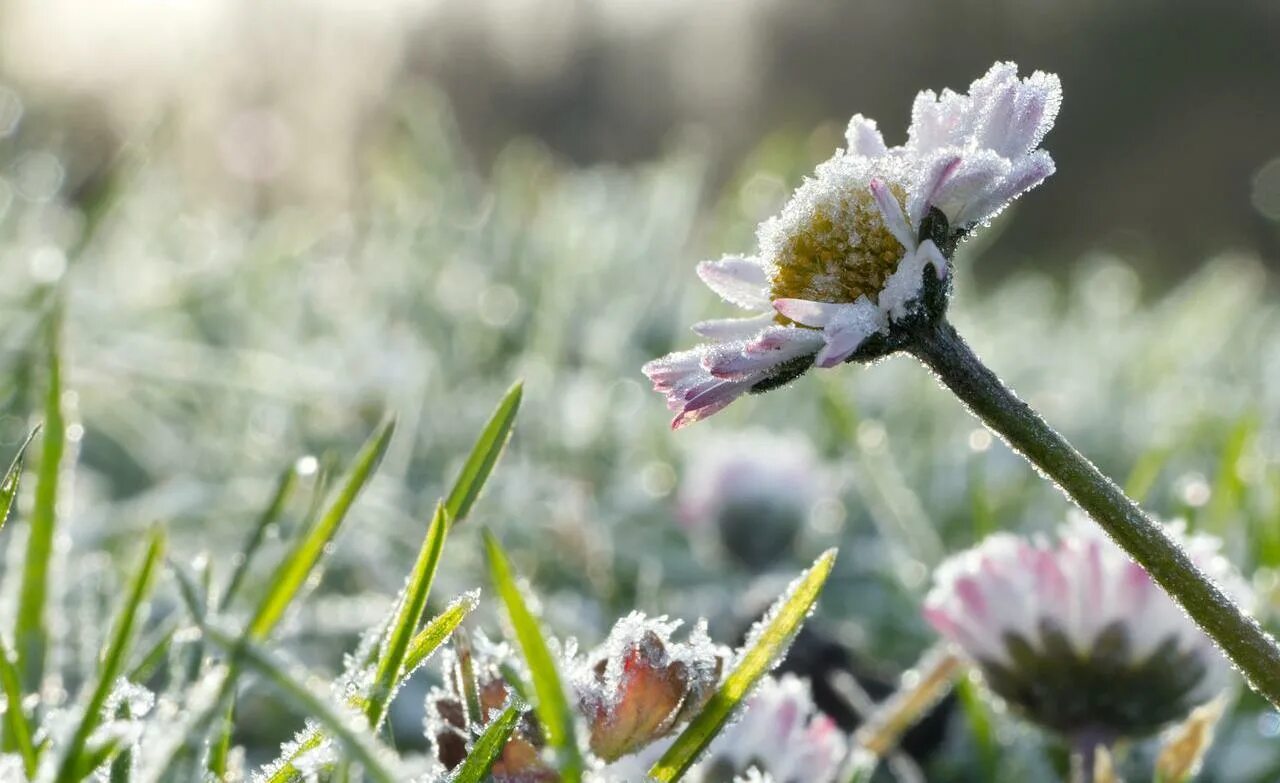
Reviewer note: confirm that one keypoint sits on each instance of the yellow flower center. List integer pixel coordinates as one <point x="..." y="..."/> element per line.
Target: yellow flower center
<point x="844" y="252"/>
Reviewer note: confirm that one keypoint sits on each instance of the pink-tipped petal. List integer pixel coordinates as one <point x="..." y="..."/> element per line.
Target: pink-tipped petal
<point x="740" y="281"/>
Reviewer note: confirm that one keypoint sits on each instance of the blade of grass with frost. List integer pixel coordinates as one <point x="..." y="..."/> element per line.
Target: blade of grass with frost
<point x="95" y="756"/>
<point x="30" y="633"/>
<point x="113" y="661"/>
<point x="17" y="731"/>
<point x="552" y="707"/>
<point x="484" y="455"/>
<point x="765" y="646"/>
<point x="486" y="750"/>
<point x="293" y="573"/>
<point x="408" y="616"/>
<point x="420" y="648"/>
<point x="9" y="486"/>
<point x="284" y="489"/>
<point x="359" y="744"/>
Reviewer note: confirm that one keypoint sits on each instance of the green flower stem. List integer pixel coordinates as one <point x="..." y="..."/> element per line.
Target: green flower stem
<point x="1250" y="648"/>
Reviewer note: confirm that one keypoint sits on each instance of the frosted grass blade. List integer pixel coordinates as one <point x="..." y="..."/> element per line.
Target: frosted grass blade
<point x="767" y="644"/>
<point x="359" y="745"/>
<point x="420" y="648"/>
<point x="17" y="731"/>
<point x="484" y="455"/>
<point x="284" y="489"/>
<point x="553" y="709"/>
<point x="298" y="565"/>
<point x="30" y="633"/>
<point x="407" y="618"/>
<point x="113" y="661"/>
<point x="486" y="750"/>
<point x="9" y="486"/>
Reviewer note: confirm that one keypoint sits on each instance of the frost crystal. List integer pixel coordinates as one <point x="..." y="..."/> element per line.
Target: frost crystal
<point x="852" y="253"/>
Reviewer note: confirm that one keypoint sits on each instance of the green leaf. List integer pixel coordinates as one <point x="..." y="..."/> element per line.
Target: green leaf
<point x="427" y="641"/>
<point x="30" y="633"/>
<point x="553" y="708"/>
<point x="359" y="745"/>
<point x="113" y="661"/>
<point x="154" y="655"/>
<point x="17" y="729"/>
<point x="408" y="616"/>
<point x="767" y="644"/>
<point x="487" y="749"/>
<point x="9" y="486"/>
<point x="284" y="488"/>
<point x="484" y="455"/>
<point x="293" y="573"/>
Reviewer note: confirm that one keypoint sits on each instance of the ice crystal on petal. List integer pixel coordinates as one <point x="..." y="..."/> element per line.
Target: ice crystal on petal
<point x="859" y="236"/>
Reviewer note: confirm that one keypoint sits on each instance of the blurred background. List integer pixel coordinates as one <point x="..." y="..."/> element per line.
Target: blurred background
<point x="267" y="223"/>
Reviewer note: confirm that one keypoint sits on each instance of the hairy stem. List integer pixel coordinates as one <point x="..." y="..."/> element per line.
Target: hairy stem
<point x="1250" y="648"/>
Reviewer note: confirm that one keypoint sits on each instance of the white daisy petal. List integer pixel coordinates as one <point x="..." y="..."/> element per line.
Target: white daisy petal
<point x="733" y="328"/>
<point x="738" y="280"/>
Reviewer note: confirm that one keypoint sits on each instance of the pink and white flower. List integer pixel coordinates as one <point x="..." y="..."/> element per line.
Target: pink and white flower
<point x="846" y="259"/>
<point x="1076" y="636"/>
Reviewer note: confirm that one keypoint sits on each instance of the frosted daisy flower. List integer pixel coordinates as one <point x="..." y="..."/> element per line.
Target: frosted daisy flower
<point x="641" y="684"/>
<point x="1076" y="636"/>
<point x="783" y="734"/>
<point x="862" y="249"/>
<point x="755" y="490"/>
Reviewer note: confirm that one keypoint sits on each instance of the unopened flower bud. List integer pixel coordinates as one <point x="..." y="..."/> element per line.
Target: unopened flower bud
<point x="640" y="684"/>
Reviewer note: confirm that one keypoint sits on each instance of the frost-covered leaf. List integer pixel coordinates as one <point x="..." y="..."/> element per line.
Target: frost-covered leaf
<point x="764" y="647"/>
<point x="553" y="708"/>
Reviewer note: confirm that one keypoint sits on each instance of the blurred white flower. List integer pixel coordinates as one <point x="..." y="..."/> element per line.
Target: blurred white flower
<point x="755" y="489"/>
<point x="1076" y="636"/>
<point x="847" y="257"/>
<point x="783" y="734"/>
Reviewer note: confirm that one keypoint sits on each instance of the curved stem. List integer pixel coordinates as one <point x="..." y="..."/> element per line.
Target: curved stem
<point x="1250" y="648"/>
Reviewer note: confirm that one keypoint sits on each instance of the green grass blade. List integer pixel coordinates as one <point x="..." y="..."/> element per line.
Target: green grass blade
<point x="154" y="655"/>
<point x="220" y="748"/>
<point x="293" y="573"/>
<point x="9" y="486"/>
<point x="484" y="455"/>
<point x="95" y="756"/>
<point x="113" y="661"/>
<point x="407" y="618"/>
<point x="30" y="633"/>
<point x="487" y="749"/>
<point x="766" y="645"/>
<point x="359" y="746"/>
<point x="284" y="489"/>
<point x="420" y="648"/>
<point x="553" y="708"/>
<point x="17" y="731"/>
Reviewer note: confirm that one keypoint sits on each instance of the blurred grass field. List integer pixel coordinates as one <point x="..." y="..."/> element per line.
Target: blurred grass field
<point x="208" y="346"/>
